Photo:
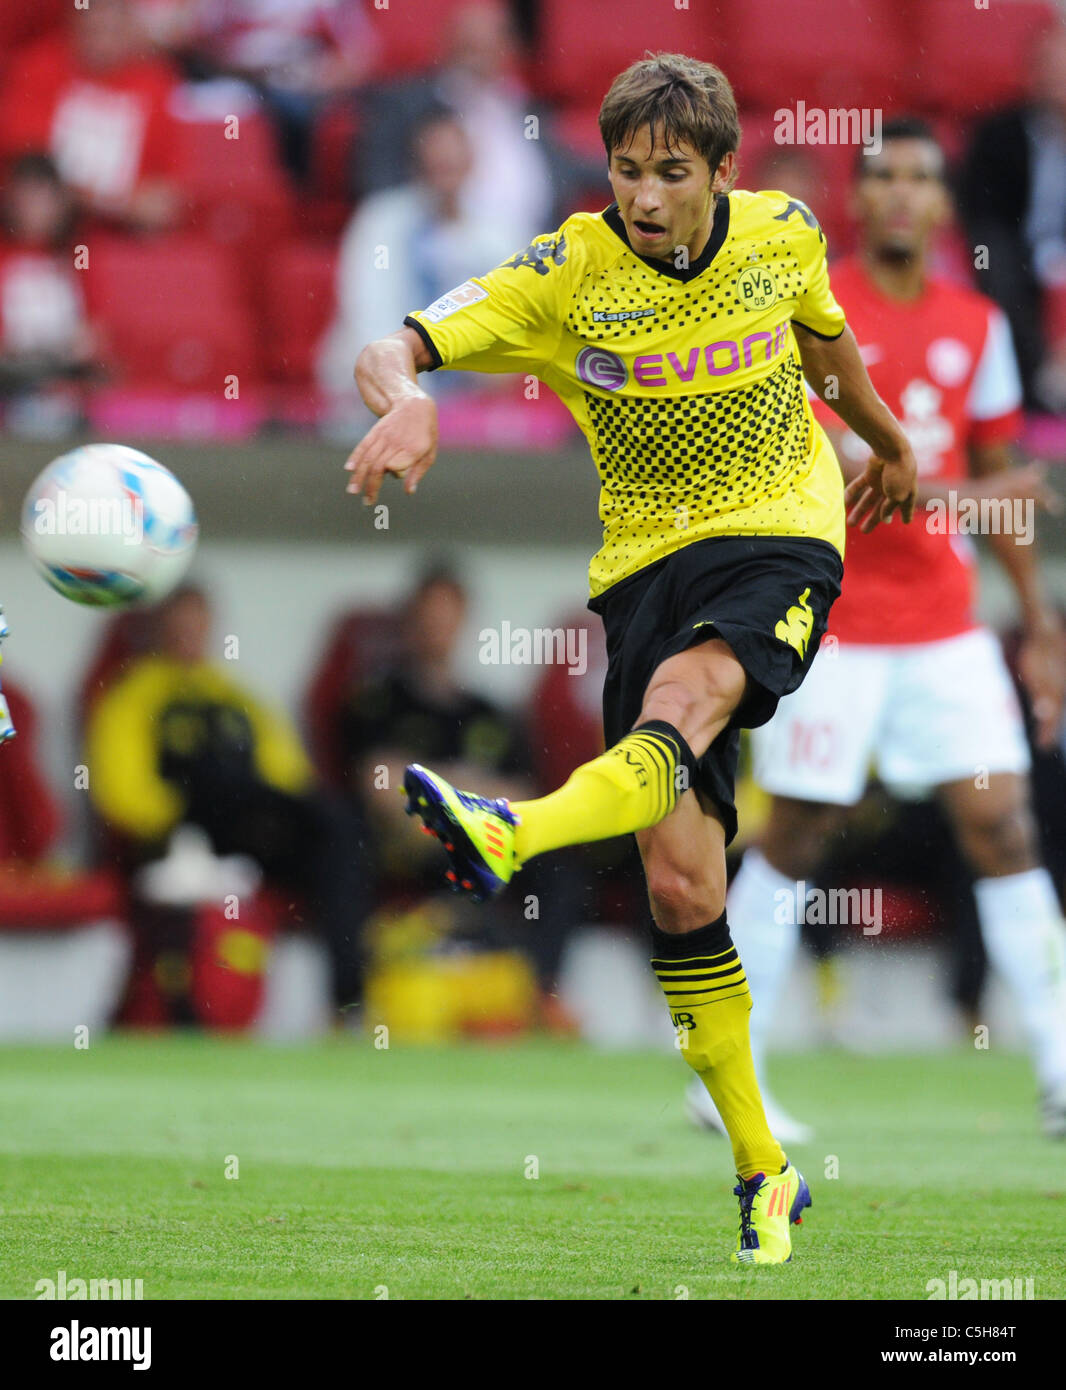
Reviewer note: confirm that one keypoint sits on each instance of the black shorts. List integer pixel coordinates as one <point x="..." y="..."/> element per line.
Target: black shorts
<point x="738" y="588"/>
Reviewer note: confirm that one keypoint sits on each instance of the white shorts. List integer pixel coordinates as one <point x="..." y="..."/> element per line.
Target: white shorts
<point x="920" y="715"/>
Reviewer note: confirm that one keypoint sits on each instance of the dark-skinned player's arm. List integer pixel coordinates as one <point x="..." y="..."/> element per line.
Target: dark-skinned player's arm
<point x="888" y="483"/>
<point x="404" y="440"/>
<point x="1042" y="659"/>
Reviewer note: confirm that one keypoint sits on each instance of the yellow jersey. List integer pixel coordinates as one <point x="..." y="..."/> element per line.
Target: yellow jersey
<point x="160" y="706"/>
<point x="685" y="379"/>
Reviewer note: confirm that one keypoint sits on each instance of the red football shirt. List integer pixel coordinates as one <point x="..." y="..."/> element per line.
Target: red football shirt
<point x="945" y="366"/>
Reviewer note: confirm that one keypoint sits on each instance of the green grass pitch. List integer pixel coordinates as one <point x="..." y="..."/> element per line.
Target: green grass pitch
<point x="407" y="1169"/>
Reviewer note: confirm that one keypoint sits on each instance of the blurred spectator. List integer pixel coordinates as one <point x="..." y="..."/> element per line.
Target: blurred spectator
<point x="407" y="246"/>
<point x="297" y="53"/>
<point x="514" y="164"/>
<point x="419" y="711"/>
<point x="98" y="103"/>
<point x="177" y="741"/>
<point x="46" y="340"/>
<point x="1013" y="194"/>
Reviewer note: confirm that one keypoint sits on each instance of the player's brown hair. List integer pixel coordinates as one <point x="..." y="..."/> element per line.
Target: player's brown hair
<point x="680" y="98"/>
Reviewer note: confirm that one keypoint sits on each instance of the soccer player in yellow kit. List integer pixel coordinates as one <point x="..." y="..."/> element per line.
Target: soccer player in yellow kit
<point x="677" y="326"/>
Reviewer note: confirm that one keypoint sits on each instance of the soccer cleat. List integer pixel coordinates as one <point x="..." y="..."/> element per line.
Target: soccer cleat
<point x="703" y="1112"/>
<point x="477" y="832"/>
<point x="768" y="1207"/>
<point x="7" y="728"/>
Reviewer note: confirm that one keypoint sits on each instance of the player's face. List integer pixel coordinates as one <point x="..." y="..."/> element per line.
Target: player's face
<point x="665" y="195"/>
<point x="435" y="620"/>
<point x="901" y="199"/>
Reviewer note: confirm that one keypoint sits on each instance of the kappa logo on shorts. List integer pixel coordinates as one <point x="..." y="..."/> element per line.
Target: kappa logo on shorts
<point x="796" y="626"/>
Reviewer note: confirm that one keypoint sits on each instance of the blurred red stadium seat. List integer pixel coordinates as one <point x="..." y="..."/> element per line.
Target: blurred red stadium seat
<point x="410" y="34"/>
<point x="329" y="205"/>
<point x="236" y="191"/>
<point x="583" y="46"/>
<point x="32" y="895"/>
<point x="299" y="296"/>
<point x="971" y="60"/>
<point x="853" y="53"/>
<point x="151" y="298"/>
<point x="29" y="815"/>
<point x="22" y="21"/>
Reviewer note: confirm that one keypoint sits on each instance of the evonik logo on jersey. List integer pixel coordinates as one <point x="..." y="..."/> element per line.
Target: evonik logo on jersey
<point x="607" y="370"/>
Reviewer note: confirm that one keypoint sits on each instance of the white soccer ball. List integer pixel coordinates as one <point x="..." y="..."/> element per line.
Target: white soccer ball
<point x="107" y="526"/>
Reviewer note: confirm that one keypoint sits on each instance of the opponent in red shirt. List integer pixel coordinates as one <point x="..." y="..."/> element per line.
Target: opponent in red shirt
<point x="907" y="679"/>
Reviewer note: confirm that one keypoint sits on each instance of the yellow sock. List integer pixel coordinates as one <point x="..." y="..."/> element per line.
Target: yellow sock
<point x="707" y="991"/>
<point x="631" y="786"/>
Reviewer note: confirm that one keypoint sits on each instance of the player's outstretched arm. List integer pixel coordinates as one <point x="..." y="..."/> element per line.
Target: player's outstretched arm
<point x="404" y="440"/>
<point x="835" y="371"/>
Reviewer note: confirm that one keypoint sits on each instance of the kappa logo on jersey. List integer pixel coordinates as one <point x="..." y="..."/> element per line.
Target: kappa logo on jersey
<point x="621" y="315"/>
<point x="540" y="256"/>
<point x="459" y="298"/>
<point x="794" y="205"/>
<point x="796" y="626"/>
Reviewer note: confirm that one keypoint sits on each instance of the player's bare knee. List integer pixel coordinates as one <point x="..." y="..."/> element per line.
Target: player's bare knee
<point x="1000" y="841"/>
<point x="672" y="701"/>
<point x="680" y="901"/>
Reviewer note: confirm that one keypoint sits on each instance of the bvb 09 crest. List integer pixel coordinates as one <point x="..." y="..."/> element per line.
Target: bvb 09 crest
<point x="756" y="287"/>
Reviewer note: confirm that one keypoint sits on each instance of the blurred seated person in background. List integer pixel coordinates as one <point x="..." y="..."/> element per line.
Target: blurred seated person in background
<point x="298" y="54"/>
<point x="420" y="711"/>
<point x="1013" y="195"/>
<point x="177" y="740"/>
<point x="46" y="340"/>
<point x="409" y="245"/>
<point x="512" y="176"/>
<point x="94" y="98"/>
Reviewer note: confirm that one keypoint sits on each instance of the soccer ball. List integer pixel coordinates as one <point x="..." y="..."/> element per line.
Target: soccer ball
<point x="107" y="526"/>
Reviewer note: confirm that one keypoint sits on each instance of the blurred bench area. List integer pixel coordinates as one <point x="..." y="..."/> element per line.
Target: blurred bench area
<point x="207" y="207"/>
<point x="137" y="887"/>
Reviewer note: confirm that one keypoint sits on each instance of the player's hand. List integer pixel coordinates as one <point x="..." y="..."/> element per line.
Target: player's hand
<point x="1029" y="481"/>
<point x="886" y="486"/>
<point x="1042" y="665"/>
<point x="404" y="442"/>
